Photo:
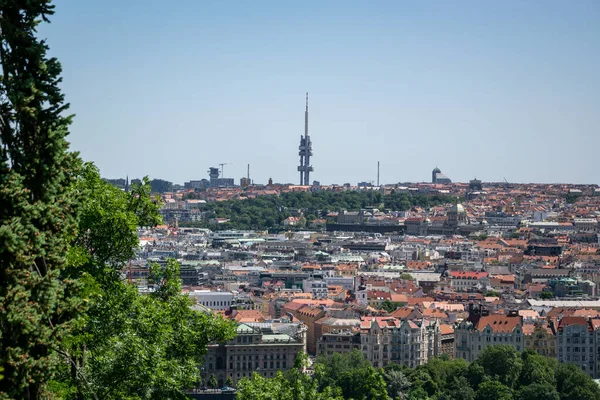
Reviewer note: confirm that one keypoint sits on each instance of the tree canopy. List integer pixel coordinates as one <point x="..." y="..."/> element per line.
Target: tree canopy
<point x="266" y="212"/>
<point x="500" y="373"/>
<point x="70" y="326"/>
<point x="37" y="211"/>
<point x="129" y="345"/>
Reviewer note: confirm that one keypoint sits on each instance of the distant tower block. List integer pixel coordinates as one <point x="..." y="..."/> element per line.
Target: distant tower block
<point x="305" y="151"/>
<point x="213" y="173"/>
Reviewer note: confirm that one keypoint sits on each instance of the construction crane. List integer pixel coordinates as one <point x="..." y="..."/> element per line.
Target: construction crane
<point x="221" y="165"/>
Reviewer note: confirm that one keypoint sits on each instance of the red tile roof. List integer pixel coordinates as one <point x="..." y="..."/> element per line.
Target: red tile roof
<point x="499" y="323"/>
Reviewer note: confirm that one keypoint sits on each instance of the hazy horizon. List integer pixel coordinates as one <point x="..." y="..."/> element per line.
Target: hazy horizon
<point x="488" y="90"/>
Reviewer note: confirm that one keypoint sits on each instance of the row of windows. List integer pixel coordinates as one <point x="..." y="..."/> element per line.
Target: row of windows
<point x="266" y="374"/>
<point x="266" y="365"/>
<point x="256" y="349"/>
<point x="244" y="339"/>
<point x="215" y="303"/>
<point x="256" y="357"/>
<point x="576" y="349"/>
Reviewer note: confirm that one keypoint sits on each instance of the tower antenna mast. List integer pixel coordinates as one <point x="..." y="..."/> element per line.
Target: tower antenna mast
<point x="305" y="151"/>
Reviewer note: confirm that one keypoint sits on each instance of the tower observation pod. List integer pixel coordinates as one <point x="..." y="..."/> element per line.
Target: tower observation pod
<point x="305" y="151"/>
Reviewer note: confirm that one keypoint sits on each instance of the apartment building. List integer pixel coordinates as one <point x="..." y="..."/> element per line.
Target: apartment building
<point x="338" y="342"/>
<point x="386" y="339"/>
<point x="316" y="287"/>
<point x="415" y="342"/>
<point x="540" y="337"/>
<point x="447" y="340"/>
<point x="212" y="299"/>
<point x="482" y="330"/>
<point x="468" y="280"/>
<point x="576" y="341"/>
<point x="308" y="314"/>
<point x="376" y="338"/>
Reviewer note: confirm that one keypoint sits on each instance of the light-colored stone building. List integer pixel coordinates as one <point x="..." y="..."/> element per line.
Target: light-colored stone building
<point x="261" y="348"/>
<point x="388" y="340"/>
<point x="468" y="280"/>
<point x="576" y="341"/>
<point x="482" y="330"/>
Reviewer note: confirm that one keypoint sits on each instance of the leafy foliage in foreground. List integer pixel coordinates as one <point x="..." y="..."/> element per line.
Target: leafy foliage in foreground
<point x="70" y="327"/>
<point x="500" y="373"/>
<point x="291" y="385"/>
<point x="37" y="306"/>
<point x="129" y="345"/>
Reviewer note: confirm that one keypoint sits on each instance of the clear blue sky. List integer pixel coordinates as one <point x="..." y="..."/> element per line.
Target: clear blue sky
<point x="490" y="89"/>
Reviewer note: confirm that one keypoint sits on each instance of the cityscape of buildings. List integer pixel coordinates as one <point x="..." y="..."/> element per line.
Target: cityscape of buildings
<point x="514" y="264"/>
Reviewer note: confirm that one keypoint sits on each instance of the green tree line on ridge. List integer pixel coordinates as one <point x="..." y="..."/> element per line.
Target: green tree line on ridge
<point x="265" y="212"/>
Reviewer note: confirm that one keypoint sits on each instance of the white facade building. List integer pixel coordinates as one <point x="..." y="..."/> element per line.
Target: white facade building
<point x="212" y="300"/>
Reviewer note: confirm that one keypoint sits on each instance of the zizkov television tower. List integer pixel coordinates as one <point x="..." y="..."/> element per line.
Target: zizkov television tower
<point x="305" y="151"/>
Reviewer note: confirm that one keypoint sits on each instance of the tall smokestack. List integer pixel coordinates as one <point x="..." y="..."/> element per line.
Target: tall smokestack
<point x="377" y="173"/>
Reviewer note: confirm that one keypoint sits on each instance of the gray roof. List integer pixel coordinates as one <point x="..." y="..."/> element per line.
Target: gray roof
<point x="564" y="303"/>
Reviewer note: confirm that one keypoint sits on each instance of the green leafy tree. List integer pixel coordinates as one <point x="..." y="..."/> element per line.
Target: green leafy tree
<point x="493" y="390"/>
<point x="422" y="381"/>
<point x="161" y="186"/>
<point x="229" y="381"/>
<point x="573" y="384"/>
<point x="501" y="363"/>
<point x="270" y="211"/>
<point x="37" y="306"/>
<point x="212" y="382"/>
<point x="475" y="375"/>
<point x="458" y="389"/>
<point x="292" y="385"/>
<point x="571" y="198"/>
<point x="538" y="391"/>
<point x="390" y="306"/>
<point x="129" y="345"/>
<point x="407" y="277"/>
<point x="353" y="374"/>
<point x="443" y="371"/>
<point x="537" y="369"/>
<point x="260" y="388"/>
<point x="397" y="383"/>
